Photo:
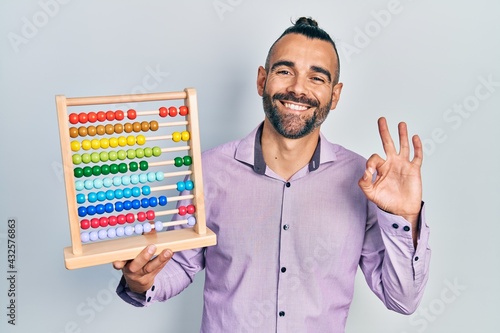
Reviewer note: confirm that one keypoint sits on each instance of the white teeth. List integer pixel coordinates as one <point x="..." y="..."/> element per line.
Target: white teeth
<point x="296" y="107"/>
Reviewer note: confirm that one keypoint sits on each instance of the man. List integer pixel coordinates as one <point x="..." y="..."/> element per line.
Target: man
<point x="295" y="214"/>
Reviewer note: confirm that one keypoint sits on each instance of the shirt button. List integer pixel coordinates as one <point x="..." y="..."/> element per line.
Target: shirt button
<point x="149" y="299"/>
<point x="282" y="313"/>
<point x="153" y="288"/>
<point x="416" y="258"/>
<point x="283" y="269"/>
<point x="288" y="184"/>
<point x="286" y="227"/>
<point x="406" y="228"/>
<point x="395" y="226"/>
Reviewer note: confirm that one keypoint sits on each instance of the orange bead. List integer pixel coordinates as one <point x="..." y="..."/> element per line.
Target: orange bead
<point x="153" y="125"/>
<point x="82" y="131"/>
<point x="101" y="130"/>
<point x="91" y="130"/>
<point x="118" y="128"/>
<point x="73" y="132"/>
<point x="110" y="129"/>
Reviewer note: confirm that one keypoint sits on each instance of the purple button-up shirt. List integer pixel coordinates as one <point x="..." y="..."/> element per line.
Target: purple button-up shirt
<point x="288" y="251"/>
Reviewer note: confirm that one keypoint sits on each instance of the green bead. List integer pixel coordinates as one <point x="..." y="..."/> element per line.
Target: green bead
<point x="94" y="157"/>
<point x="113" y="155"/>
<point x="143" y="165"/>
<point x="131" y="154"/>
<point x="105" y="169"/>
<point x="122" y="154"/>
<point x="156" y="151"/>
<point x="77" y="159"/>
<point x="86" y="158"/>
<point x="87" y="171"/>
<point x="188" y="160"/>
<point x="139" y="153"/>
<point x="114" y="168"/>
<point x="104" y="156"/>
<point x="78" y="172"/>
<point x="178" y="161"/>
<point x="148" y="152"/>
<point x="122" y="167"/>
<point x="96" y="170"/>
<point x="133" y="166"/>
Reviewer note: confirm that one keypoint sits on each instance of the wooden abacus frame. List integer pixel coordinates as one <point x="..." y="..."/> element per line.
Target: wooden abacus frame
<point x="83" y="255"/>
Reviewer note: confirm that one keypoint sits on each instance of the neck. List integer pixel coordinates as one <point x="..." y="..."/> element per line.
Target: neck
<point x="287" y="156"/>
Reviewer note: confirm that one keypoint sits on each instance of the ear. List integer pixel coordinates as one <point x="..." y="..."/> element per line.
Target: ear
<point x="337" y="89"/>
<point x="261" y="80"/>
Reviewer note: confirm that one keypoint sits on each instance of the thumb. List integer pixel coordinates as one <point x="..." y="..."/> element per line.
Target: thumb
<point x="118" y="265"/>
<point x="366" y="181"/>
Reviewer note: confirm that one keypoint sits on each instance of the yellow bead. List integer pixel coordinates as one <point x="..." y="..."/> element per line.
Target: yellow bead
<point x="176" y="136"/>
<point x="131" y="140"/>
<point x="185" y="136"/>
<point x="75" y="145"/>
<point x="141" y="139"/>
<point x="95" y="143"/>
<point x="104" y="143"/>
<point x="113" y="142"/>
<point x="122" y="141"/>
<point x="86" y="145"/>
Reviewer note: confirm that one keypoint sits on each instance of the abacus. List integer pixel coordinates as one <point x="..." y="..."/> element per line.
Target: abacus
<point x="114" y="168"/>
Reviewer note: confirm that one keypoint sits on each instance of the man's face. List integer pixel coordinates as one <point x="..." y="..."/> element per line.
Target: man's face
<point x="298" y="90"/>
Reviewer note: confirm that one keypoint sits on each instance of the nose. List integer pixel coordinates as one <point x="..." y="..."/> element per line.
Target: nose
<point x="298" y="86"/>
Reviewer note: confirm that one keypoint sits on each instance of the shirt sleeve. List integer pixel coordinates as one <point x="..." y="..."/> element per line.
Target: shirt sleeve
<point x="176" y="276"/>
<point x="394" y="270"/>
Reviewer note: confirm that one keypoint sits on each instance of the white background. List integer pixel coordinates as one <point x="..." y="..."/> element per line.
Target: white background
<point x="417" y="61"/>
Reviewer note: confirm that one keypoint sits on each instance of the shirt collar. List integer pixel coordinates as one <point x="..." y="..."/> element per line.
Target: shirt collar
<point x="249" y="151"/>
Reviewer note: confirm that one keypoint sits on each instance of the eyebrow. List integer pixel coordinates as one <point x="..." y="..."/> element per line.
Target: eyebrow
<point x="316" y="69"/>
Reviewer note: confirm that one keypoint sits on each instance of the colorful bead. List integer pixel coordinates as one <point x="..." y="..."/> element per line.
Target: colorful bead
<point x="134" y="179"/>
<point x="172" y="111"/>
<point x="73" y="132"/>
<point x="144" y="126"/>
<point x="130" y="154"/>
<point x="181" y="210"/>
<point x="136" y="192"/>
<point x="95" y="144"/>
<point x="94" y="223"/>
<point x="103" y="222"/>
<point x="94" y="236"/>
<point x="139" y="153"/>
<point x="79" y="185"/>
<point x="191" y="221"/>
<point x="92" y="197"/>
<point x="110" y="194"/>
<point x="181" y="186"/>
<point x="103" y="156"/>
<point x="151" y="177"/>
<point x="183" y="110"/>
<point x="130" y="218"/>
<point x="144" y="202"/>
<point x="113" y="155"/>
<point x="118" y="193"/>
<point x="78" y="172"/>
<point x="122" y="167"/>
<point x="118" y="128"/>
<point x="107" y="182"/>
<point x="138" y="229"/>
<point x="136" y="127"/>
<point x="141" y="139"/>
<point x="82" y="117"/>
<point x="153" y="202"/>
<point x="153" y="125"/>
<point x="82" y="211"/>
<point x="120" y="231"/>
<point x="101" y="195"/>
<point x="141" y="216"/>
<point x="187" y="160"/>
<point x="87" y="171"/>
<point x="176" y="136"/>
<point x="129" y="230"/>
<point x="185" y="136"/>
<point x="121" y="219"/>
<point x="84" y="224"/>
<point x="111" y="233"/>
<point x="189" y="185"/>
<point x="91" y="130"/>
<point x="147" y="227"/>
<point x="110" y="115"/>
<point x="130" y="140"/>
<point x="91" y="210"/>
<point x="160" y="176"/>
<point x="158" y="226"/>
<point x="128" y="128"/>
<point x="86" y="158"/>
<point x="148" y="152"/>
<point x="163" y="111"/>
<point x="89" y="184"/>
<point x="92" y="117"/>
<point x="136" y="204"/>
<point x="84" y="237"/>
<point x="162" y="200"/>
<point x="104" y="143"/>
<point x="73" y="118"/>
<point x="105" y="169"/>
<point x="150" y="214"/>
<point x="95" y="158"/>
<point x="96" y="170"/>
<point x="127" y="192"/>
<point x="75" y="145"/>
<point x="122" y="154"/>
<point x="82" y="131"/>
<point x="97" y="183"/>
<point x="156" y="151"/>
<point x="99" y="209"/>
<point x="108" y="208"/>
<point x="143" y="178"/>
<point x="146" y="190"/>
<point x="109" y="129"/>
<point x="112" y="220"/>
<point x="131" y="114"/>
<point x="190" y="209"/>
<point x="143" y="165"/>
<point x="119" y="115"/>
<point x="80" y="198"/>
<point x="119" y="206"/>
<point x="100" y="130"/>
<point x="101" y="116"/>
<point x="178" y="161"/>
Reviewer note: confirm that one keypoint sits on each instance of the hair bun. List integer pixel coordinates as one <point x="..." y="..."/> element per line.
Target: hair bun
<point x="306" y="21"/>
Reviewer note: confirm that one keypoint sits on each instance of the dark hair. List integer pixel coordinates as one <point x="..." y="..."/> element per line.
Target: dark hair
<point x="308" y="27"/>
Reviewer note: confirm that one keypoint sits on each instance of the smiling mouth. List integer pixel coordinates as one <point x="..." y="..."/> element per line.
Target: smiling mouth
<point x="295" y="107"/>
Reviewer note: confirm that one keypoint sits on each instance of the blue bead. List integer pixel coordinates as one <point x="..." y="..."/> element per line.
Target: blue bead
<point x="136" y="204"/>
<point x="91" y="210"/>
<point x="189" y="185"/>
<point x="89" y="184"/>
<point x="99" y="209"/>
<point x="117" y="180"/>
<point x="80" y="198"/>
<point x="181" y="186"/>
<point x="110" y="194"/>
<point x="153" y="201"/>
<point x="151" y="177"/>
<point x="92" y="197"/>
<point x="160" y="176"/>
<point x="118" y="206"/>
<point x="97" y="183"/>
<point x="143" y="178"/>
<point x="108" y="207"/>
<point x="134" y="179"/>
<point x="107" y="182"/>
<point x="127" y="192"/>
<point x="125" y="180"/>
<point x="146" y="190"/>
<point x="118" y="193"/>
<point x="136" y="192"/>
<point x="127" y="205"/>
<point x="82" y="211"/>
<point x="162" y="200"/>
<point x="101" y="195"/>
<point x="145" y="203"/>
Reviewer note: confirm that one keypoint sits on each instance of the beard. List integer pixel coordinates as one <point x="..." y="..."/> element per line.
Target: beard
<point x="294" y="126"/>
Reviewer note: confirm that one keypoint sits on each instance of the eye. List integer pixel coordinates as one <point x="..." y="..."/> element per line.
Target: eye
<point x="318" y="79"/>
<point x="283" y="72"/>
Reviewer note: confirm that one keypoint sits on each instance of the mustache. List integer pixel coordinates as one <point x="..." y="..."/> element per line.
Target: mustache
<point x="292" y="98"/>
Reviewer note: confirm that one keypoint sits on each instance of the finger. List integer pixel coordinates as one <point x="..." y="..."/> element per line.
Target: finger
<point x="404" y="144"/>
<point x="159" y="262"/>
<point x="418" y="150"/>
<point x="372" y="165"/>
<point x="142" y="259"/>
<point x="118" y="265"/>
<point x="387" y="142"/>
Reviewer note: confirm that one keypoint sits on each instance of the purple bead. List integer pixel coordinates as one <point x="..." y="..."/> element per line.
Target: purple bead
<point x="94" y="236"/>
<point x="120" y="231"/>
<point x="146" y="227"/>
<point x="84" y="236"/>
<point x="103" y="234"/>
<point x="129" y="230"/>
<point x="138" y="229"/>
<point x="191" y="220"/>
<point x="111" y="233"/>
<point x="158" y="226"/>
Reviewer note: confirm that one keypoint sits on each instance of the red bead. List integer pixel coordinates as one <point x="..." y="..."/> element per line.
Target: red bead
<point x="141" y="216"/>
<point x="130" y="218"/>
<point x="131" y="114"/>
<point x="92" y="117"/>
<point x="73" y="118"/>
<point x="112" y="220"/>
<point x="119" y="115"/>
<point x="150" y="214"/>
<point x="82" y="117"/>
<point x="84" y="224"/>
<point x="182" y="210"/>
<point x="103" y="222"/>
<point x="101" y="116"/>
<point x="121" y="219"/>
<point x="172" y="111"/>
<point x="163" y="112"/>
<point x="183" y="110"/>
<point x="110" y="115"/>
<point x="94" y="223"/>
<point x="190" y="209"/>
